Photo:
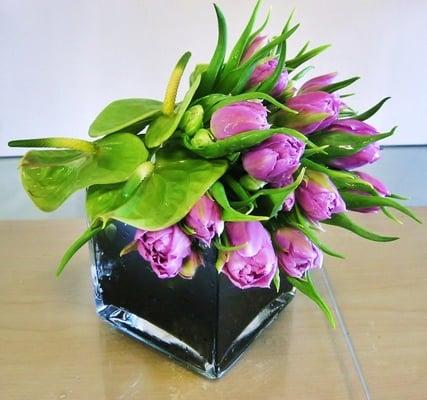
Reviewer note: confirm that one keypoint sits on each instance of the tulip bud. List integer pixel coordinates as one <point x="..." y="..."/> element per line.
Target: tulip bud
<point x="202" y="138"/>
<point x="316" y="111"/>
<point x="275" y="159"/>
<point x="205" y="220"/>
<point x="318" y="83"/>
<point x="289" y="203"/>
<point x="192" y="120"/>
<point x="258" y="43"/>
<point x="367" y="155"/>
<point x="263" y="71"/>
<point x="190" y="265"/>
<point x="296" y="253"/>
<point x="165" y="250"/>
<point x="237" y="118"/>
<point x="382" y="190"/>
<point x="318" y="197"/>
<point x="255" y="263"/>
<point x="250" y="183"/>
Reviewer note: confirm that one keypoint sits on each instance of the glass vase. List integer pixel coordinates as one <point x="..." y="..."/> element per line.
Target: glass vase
<point x="205" y="323"/>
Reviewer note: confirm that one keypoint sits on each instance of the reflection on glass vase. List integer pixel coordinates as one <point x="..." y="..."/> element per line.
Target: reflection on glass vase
<point x="205" y="323"/>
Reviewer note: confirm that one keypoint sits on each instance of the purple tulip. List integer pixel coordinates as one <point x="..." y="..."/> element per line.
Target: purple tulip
<point x="318" y="197"/>
<point x="165" y="250"/>
<point x="258" y="43"/>
<point x="367" y="155"/>
<point x="255" y="264"/>
<point x="316" y="111"/>
<point x="275" y="159"/>
<point x="239" y="117"/>
<point x="318" y="83"/>
<point x="382" y="190"/>
<point x="205" y="219"/>
<point x="263" y="71"/>
<point x="296" y="253"/>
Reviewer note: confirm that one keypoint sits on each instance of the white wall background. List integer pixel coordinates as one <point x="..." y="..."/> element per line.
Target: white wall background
<point x="62" y="61"/>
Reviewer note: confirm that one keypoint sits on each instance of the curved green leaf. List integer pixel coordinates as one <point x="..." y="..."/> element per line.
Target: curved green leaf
<point x="355" y="200"/>
<point x="178" y="180"/>
<point x="275" y="196"/>
<point x="226" y="100"/>
<point x="369" y="113"/>
<point x="239" y="142"/>
<point x="306" y="287"/>
<point x="129" y="115"/>
<point x="210" y="75"/>
<point x="217" y="191"/>
<point x="88" y="234"/>
<point x="341" y="179"/>
<point x="342" y="144"/>
<point x="51" y="176"/>
<point x="242" y="42"/>
<point x="162" y="128"/>
<point x="343" y="221"/>
<point x="302" y="58"/>
<point x="297" y="220"/>
<point x="333" y="87"/>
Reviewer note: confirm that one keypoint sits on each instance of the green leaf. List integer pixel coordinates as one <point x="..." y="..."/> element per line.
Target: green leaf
<point x="243" y="97"/>
<point x="369" y="113"/>
<point x="236" y="79"/>
<point x="355" y="200"/>
<point x="302" y="73"/>
<point x="209" y="77"/>
<point x="241" y="44"/>
<point x="80" y="241"/>
<point x="333" y="87"/>
<point x="275" y="196"/>
<point x="342" y="144"/>
<point x="239" y="142"/>
<point x="341" y="179"/>
<point x="127" y="115"/>
<point x="306" y="287"/>
<point x="51" y="176"/>
<point x="260" y="29"/>
<point x="297" y="220"/>
<point x="276" y="280"/>
<point x="162" y="128"/>
<point x="302" y="58"/>
<point x="217" y="191"/>
<point x="343" y="221"/>
<point x="102" y="199"/>
<point x="178" y="180"/>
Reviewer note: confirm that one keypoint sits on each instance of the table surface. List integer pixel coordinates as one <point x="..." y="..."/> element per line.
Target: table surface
<point x="53" y="346"/>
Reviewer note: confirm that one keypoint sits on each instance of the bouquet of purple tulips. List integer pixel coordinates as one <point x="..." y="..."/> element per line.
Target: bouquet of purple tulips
<point x="249" y="161"/>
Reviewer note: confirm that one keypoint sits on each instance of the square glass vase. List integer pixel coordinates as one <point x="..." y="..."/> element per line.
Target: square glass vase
<point x="205" y="323"/>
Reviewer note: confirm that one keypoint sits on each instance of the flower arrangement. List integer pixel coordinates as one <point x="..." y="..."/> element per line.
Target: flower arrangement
<point x="249" y="161"/>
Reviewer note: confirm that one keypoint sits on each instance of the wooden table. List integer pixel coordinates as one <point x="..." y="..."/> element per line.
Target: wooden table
<point x="52" y="345"/>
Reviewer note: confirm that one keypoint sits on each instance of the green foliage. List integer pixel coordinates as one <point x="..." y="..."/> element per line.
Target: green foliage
<point x="343" y="221"/>
<point x="239" y="142"/>
<point x="127" y="115"/>
<point x="51" y="176"/>
<point x="341" y="144"/>
<point x="210" y="75"/>
<point x="217" y="191"/>
<point x="162" y="128"/>
<point x="178" y="180"/>
<point x="306" y="287"/>
<point x="356" y="200"/>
